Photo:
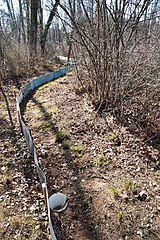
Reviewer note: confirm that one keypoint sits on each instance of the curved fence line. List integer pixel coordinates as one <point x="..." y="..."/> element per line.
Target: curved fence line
<point x="26" y="89"/>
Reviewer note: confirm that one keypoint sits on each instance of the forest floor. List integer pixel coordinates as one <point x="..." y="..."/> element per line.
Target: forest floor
<point x="110" y="175"/>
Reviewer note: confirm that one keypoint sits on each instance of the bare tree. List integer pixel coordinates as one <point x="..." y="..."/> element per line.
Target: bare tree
<point x="116" y="44"/>
<point x="22" y="26"/>
<point x="27" y="3"/>
<point x="43" y="36"/>
<point x="104" y="35"/>
<point x="33" y="28"/>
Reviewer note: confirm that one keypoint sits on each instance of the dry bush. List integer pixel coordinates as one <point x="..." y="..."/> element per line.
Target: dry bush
<point x="141" y="86"/>
<point x="117" y="47"/>
<point x="14" y="60"/>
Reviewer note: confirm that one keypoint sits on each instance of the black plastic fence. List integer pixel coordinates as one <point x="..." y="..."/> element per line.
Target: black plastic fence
<point x="28" y="88"/>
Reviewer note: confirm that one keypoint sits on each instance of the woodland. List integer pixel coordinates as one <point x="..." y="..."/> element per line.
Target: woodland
<point x="96" y="130"/>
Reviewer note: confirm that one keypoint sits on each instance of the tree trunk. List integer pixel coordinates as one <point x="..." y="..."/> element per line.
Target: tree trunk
<point x="33" y="29"/>
<point x="27" y="19"/>
<point x="40" y="16"/>
<point x="1" y="47"/>
<point x="43" y="37"/>
<point x="14" y="24"/>
<point x="22" y="22"/>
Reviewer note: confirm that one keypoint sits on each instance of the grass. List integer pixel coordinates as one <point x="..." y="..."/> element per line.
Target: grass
<point x="102" y="160"/>
<point x="112" y="136"/>
<point x="41" y="90"/>
<point x="129" y="186"/>
<point x="50" y="108"/>
<point x="5" y="202"/>
<point x="47" y="124"/>
<point x="61" y="136"/>
<point x="115" y="192"/>
<point x="44" y="113"/>
<point x="65" y="144"/>
<point x="7" y="161"/>
<point x="78" y="150"/>
<point x="45" y="118"/>
<point x="19" y="226"/>
<point x="120" y="216"/>
<point x="47" y="115"/>
<point x="82" y="161"/>
<point x="25" y="227"/>
<point x="7" y="179"/>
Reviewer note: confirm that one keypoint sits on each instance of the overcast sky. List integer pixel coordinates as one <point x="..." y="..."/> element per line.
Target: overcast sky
<point x="16" y="8"/>
<point x="4" y="5"/>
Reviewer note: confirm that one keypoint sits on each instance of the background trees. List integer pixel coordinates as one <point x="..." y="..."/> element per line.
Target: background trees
<point x="118" y="54"/>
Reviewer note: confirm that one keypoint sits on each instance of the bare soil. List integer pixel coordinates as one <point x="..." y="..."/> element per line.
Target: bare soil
<point x="110" y="175"/>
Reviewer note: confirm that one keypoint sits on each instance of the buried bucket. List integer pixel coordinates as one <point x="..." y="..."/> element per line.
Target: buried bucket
<point x="58" y="202"/>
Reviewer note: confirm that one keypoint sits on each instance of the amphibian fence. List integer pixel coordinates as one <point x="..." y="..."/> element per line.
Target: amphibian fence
<point x="29" y="88"/>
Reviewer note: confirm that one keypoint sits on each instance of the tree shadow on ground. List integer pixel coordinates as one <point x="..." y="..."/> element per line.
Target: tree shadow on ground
<point x="83" y="208"/>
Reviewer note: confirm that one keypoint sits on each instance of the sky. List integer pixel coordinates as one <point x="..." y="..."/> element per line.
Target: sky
<point x="4" y="5"/>
<point x="16" y="8"/>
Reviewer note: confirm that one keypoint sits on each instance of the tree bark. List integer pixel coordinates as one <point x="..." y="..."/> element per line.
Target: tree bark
<point x="43" y="37"/>
<point x="33" y="28"/>
<point x="22" y="21"/>
<point x="27" y="20"/>
<point x="40" y="17"/>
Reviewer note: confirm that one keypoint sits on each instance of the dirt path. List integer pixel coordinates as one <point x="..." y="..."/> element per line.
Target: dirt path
<point x="110" y="176"/>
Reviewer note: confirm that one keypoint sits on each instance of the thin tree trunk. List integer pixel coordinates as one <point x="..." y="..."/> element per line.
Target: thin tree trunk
<point x="22" y="21"/>
<point x="12" y="16"/>
<point x="47" y="26"/>
<point x="28" y="19"/>
<point x="1" y="48"/>
<point x="40" y="15"/>
<point x="33" y="29"/>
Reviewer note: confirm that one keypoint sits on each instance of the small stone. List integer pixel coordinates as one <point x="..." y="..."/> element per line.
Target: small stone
<point x="140" y="233"/>
<point x="37" y="227"/>
<point x="142" y="196"/>
<point x="158" y="208"/>
<point x="92" y="148"/>
<point x="32" y="208"/>
<point x="3" y="168"/>
<point x="73" y="178"/>
<point x="138" y="169"/>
